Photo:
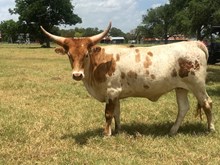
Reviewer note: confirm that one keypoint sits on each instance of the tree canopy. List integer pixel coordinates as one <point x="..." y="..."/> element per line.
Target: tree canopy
<point x="33" y="13"/>
<point x="188" y="17"/>
<point x="8" y="29"/>
<point x="115" y="32"/>
<point x="158" y="21"/>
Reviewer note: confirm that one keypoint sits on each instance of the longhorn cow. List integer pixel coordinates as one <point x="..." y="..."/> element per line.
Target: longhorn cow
<point x="112" y="73"/>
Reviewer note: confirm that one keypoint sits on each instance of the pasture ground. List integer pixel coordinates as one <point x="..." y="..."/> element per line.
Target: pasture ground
<point x="47" y="118"/>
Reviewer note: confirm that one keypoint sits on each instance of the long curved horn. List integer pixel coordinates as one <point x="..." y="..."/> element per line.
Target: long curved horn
<point x="96" y="38"/>
<point x="59" y="40"/>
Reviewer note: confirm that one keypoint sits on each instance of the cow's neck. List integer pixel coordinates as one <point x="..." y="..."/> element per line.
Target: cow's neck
<point x="100" y="65"/>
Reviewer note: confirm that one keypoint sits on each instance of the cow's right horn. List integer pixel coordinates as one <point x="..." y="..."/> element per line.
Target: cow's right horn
<point x="59" y="40"/>
<point x="96" y="38"/>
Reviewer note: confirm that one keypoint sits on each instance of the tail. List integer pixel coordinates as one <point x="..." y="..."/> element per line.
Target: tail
<point x="199" y="111"/>
<point x="203" y="47"/>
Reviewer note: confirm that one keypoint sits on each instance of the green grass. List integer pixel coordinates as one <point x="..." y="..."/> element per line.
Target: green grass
<point x="47" y="118"/>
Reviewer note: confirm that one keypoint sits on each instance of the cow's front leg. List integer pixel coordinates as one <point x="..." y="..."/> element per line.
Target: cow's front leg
<point x="112" y="109"/>
<point x="117" y="116"/>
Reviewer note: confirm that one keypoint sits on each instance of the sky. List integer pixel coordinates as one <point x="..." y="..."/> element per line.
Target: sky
<point x="124" y="14"/>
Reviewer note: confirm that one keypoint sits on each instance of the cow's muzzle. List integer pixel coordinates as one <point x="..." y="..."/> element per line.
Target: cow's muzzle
<point x="78" y="76"/>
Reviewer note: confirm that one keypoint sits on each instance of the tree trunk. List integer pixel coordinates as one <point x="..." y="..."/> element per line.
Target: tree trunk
<point x="165" y="39"/>
<point x="166" y="33"/>
<point x="48" y="43"/>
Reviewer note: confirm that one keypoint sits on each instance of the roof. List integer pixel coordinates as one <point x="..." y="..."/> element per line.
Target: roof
<point x="117" y="38"/>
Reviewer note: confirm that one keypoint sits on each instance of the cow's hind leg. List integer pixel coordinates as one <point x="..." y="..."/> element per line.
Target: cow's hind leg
<point x="183" y="107"/>
<point x="112" y="109"/>
<point x="205" y="103"/>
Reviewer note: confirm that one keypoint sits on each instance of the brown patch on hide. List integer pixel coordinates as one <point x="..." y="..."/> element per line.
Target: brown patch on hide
<point x="187" y="67"/>
<point x="137" y="50"/>
<point x="111" y="70"/>
<point x="132" y="74"/>
<point x="147" y="62"/>
<point x="102" y="64"/>
<point x="197" y="66"/>
<point x="109" y="114"/>
<point x="123" y="75"/>
<point x="192" y="72"/>
<point x="146" y="86"/>
<point x="174" y="73"/>
<point x="153" y="76"/>
<point x="117" y="57"/>
<point x="150" y="53"/>
<point x="137" y="56"/>
<point x="147" y="72"/>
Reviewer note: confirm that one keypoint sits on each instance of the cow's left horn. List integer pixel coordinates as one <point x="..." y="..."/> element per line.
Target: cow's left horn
<point x="97" y="38"/>
<point x="59" y="40"/>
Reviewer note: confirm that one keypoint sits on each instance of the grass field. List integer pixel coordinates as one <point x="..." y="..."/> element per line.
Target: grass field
<point x="47" y="118"/>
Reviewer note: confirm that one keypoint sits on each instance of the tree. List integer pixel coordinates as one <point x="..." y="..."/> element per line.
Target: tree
<point x="203" y="14"/>
<point x="79" y="32"/>
<point x="91" y="31"/>
<point x="47" y="13"/>
<point x="158" y="21"/>
<point x="131" y="36"/>
<point x="188" y="17"/>
<point x="9" y="30"/>
<point x="195" y="17"/>
<point x="67" y="33"/>
<point x="115" y="32"/>
<point x="142" y="31"/>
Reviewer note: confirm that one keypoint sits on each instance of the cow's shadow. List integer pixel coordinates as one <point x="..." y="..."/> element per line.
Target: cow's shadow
<point x="137" y="129"/>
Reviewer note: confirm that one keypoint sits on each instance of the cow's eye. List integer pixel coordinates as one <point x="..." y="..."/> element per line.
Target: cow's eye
<point x="70" y="57"/>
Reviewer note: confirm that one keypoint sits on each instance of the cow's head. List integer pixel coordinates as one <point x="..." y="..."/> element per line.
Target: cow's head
<point x="77" y="50"/>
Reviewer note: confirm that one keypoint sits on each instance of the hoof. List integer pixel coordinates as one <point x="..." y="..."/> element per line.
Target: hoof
<point x="211" y="128"/>
<point x="107" y="132"/>
<point x="171" y="134"/>
<point x="173" y="131"/>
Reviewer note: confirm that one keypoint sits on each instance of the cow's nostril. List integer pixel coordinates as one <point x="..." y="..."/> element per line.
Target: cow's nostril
<point x="77" y="76"/>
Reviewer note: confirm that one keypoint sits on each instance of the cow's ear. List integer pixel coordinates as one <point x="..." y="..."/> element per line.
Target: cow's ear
<point x="60" y="51"/>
